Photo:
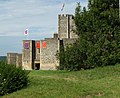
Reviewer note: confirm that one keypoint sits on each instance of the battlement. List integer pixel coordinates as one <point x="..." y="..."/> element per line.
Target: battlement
<point x="11" y="54"/>
<point x="66" y="26"/>
<point x="70" y="16"/>
<point x="65" y="15"/>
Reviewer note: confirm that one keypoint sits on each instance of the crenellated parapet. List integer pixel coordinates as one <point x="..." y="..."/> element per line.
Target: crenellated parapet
<point x="66" y="26"/>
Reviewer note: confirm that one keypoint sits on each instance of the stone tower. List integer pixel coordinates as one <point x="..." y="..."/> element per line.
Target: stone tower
<point x="28" y="54"/>
<point x="15" y="59"/>
<point x="11" y="58"/>
<point x="66" y="26"/>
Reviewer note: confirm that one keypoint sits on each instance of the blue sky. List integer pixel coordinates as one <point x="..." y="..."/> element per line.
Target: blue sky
<point x="39" y="16"/>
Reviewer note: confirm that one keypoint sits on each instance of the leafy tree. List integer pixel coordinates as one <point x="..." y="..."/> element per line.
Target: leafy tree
<point x="98" y="29"/>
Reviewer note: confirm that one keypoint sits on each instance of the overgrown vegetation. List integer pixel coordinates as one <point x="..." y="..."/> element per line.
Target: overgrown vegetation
<point x="101" y="82"/>
<point x="12" y="78"/>
<point x="98" y="44"/>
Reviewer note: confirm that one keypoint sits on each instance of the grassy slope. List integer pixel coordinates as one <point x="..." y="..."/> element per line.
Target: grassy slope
<point x="96" y="83"/>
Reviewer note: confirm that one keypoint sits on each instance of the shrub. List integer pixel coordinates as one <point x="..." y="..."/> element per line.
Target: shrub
<point x="70" y="57"/>
<point x="12" y="78"/>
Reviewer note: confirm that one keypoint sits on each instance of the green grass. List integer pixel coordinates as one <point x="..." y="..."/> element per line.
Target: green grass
<point x="101" y="82"/>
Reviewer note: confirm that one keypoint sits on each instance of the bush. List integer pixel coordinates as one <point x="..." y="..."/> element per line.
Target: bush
<point x="12" y="78"/>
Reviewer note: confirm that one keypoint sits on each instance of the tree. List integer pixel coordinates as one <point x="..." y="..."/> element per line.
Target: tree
<point x="99" y="36"/>
<point x="99" y="29"/>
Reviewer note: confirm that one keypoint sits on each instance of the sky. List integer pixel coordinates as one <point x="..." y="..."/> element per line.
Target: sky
<point x="39" y="16"/>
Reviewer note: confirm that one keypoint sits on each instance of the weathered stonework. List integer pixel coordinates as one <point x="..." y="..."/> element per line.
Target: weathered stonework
<point x="11" y="58"/>
<point x="41" y="54"/>
<point x="19" y="60"/>
<point x="48" y="55"/>
<point x="28" y="55"/>
<point x="65" y="26"/>
<point x="14" y="58"/>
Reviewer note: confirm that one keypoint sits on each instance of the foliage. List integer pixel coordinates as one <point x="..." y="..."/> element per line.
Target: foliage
<point x="99" y="36"/>
<point x="11" y="78"/>
<point x="67" y="61"/>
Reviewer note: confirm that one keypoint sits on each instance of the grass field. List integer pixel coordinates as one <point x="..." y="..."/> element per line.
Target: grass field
<point x="101" y="82"/>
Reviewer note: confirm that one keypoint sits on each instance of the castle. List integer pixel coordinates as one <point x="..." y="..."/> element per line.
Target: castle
<point x="41" y="54"/>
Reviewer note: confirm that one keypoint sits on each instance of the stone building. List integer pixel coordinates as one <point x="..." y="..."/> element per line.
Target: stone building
<point x="41" y="54"/>
<point x="14" y="58"/>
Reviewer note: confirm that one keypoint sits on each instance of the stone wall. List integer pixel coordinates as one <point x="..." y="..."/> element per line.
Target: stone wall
<point x="48" y="59"/>
<point x="63" y="26"/>
<point x="66" y="26"/>
<point x="15" y="59"/>
<point x="18" y="60"/>
<point x="28" y="54"/>
<point x="72" y="27"/>
<point x="45" y="56"/>
<point x="11" y="58"/>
